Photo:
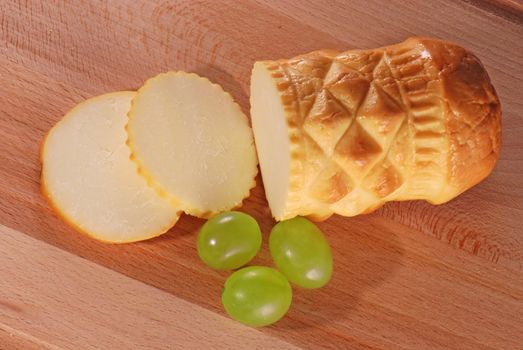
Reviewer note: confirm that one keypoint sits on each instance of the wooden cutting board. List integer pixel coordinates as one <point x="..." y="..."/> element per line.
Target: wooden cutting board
<point x="409" y="276"/>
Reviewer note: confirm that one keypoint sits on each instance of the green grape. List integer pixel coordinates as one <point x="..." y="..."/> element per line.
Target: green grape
<point x="301" y="252"/>
<point x="229" y="240"/>
<point x="257" y="296"/>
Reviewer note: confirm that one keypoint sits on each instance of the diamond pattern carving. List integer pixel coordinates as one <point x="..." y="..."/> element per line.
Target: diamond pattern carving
<point x="327" y="121"/>
<point x="307" y="77"/>
<point x="384" y="79"/>
<point x="399" y="150"/>
<point x="384" y="179"/>
<point x="356" y="130"/>
<point x="380" y="115"/>
<point x="357" y="151"/>
<point x="349" y="87"/>
<point x="363" y="62"/>
<point x="331" y="184"/>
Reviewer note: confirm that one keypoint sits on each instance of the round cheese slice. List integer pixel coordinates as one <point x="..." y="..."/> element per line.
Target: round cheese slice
<point x="193" y="143"/>
<point x="90" y="180"/>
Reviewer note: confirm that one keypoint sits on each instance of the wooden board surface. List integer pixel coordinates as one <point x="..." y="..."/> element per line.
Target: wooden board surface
<point x="409" y="276"/>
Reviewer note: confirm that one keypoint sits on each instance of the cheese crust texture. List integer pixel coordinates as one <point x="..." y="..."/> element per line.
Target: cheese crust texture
<point x="91" y="182"/>
<point x="345" y="132"/>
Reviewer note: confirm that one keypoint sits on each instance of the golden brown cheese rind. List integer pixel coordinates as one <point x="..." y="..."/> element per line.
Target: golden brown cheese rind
<point x="474" y="113"/>
<point x="416" y="120"/>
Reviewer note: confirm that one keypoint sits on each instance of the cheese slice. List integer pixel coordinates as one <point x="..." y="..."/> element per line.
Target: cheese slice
<point x="272" y="140"/>
<point x="90" y="180"/>
<point x="193" y="143"/>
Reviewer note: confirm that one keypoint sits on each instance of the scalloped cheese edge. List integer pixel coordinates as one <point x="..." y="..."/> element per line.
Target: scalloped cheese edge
<point x="174" y="199"/>
<point x="60" y="212"/>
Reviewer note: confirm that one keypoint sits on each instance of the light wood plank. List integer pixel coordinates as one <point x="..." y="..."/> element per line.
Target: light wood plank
<point x="410" y="276"/>
<point x="56" y="300"/>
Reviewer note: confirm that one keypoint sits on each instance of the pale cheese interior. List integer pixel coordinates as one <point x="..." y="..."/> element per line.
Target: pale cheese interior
<point x="90" y="179"/>
<point x="193" y="143"/>
<point x="272" y="139"/>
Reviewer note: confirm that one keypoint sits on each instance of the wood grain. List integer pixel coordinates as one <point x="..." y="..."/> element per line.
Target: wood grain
<point x="509" y="9"/>
<point x="410" y="276"/>
<point x="98" y="310"/>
